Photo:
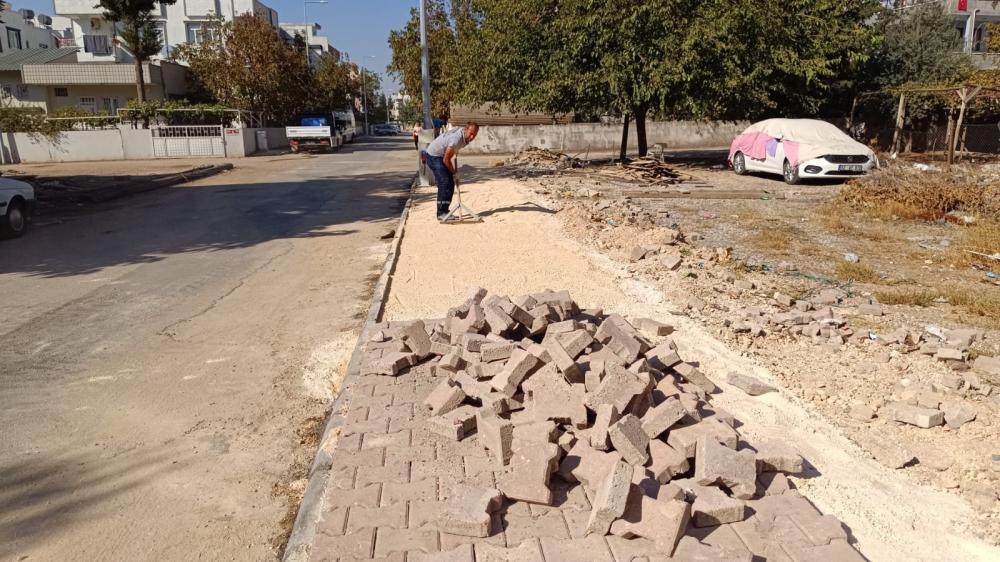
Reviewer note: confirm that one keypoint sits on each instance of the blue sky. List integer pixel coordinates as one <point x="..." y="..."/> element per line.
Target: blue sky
<point x="358" y="27"/>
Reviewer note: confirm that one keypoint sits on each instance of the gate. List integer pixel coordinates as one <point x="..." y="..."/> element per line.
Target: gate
<point x="181" y="141"/>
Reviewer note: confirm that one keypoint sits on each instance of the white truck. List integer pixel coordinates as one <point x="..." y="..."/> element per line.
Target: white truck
<point x="313" y="131"/>
<point x="345" y="123"/>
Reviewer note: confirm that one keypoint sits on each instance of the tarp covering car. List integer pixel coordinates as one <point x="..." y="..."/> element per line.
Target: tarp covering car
<point x="803" y="139"/>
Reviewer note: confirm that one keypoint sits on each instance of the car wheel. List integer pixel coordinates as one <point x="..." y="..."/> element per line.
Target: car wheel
<point x="791" y="173"/>
<point x="739" y="164"/>
<point x="295" y="149"/>
<point x="15" y="221"/>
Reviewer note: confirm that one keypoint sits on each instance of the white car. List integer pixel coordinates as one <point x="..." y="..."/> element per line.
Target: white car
<point x="17" y="204"/>
<point x="799" y="149"/>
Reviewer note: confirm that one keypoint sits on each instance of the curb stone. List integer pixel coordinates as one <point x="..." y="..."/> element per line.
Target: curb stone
<point x="300" y="540"/>
<point x="136" y="187"/>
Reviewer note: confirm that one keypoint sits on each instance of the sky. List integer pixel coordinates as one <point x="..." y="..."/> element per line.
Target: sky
<point x="358" y="27"/>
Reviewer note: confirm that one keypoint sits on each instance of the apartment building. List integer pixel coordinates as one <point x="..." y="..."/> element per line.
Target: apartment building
<point x="972" y="20"/>
<point x="318" y="44"/>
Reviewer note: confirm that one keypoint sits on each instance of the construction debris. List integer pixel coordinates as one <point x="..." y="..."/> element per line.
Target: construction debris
<point x="549" y="389"/>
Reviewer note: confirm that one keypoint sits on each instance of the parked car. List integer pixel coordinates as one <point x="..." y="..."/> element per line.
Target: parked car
<point x="799" y="149"/>
<point x="385" y="130"/>
<point x="17" y="205"/>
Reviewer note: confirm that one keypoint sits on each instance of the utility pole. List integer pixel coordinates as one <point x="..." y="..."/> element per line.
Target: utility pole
<point x="364" y="97"/>
<point x="425" y="67"/>
<point x="305" y="23"/>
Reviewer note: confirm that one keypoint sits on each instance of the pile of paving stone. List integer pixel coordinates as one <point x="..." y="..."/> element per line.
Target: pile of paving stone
<point x="550" y="390"/>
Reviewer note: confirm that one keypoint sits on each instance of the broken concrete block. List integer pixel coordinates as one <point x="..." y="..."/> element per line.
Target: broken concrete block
<point x="390" y="364"/>
<point x="685" y="438"/>
<point x="607" y="415"/>
<point x="592" y="378"/>
<point x="455" y="425"/>
<point x="987" y="364"/>
<point x="618" y="388"/>
<point x="536" y="432"/>
<point x="717" y="464"/>
<point x="777" y="456"/>
<point x="575" y="342"/>
<point x="444" y="398"/>
<point x="472" y="387"/>
<point x="658" y="520"/>
<point x="498" y="320"/>
<point x="663" y="356"/>
<point x="862" y="412"/>
<point x="555" y="399"/>
<point x="748" y="384"/>
<point x="531" y="466"/>
<point x="695" y="377"/>
<point x="611" y="498"/>
<point x="949" y="354"/>
<point x="637" y="254"/>
<point x="566" y="365"/>
<point x="914" y="415"/>
<point x="467" y="511"/>
<point x="662" y="417"/>
<point x="586" y="465"/>
<point x="622" y="343"/>
<point x="630" y="440"/>
<point x="665" y="462"/>
<point x="783" y="299"/>
<point x="672" y="262"/>
<point x="654" y="327"/>
<point x="772" y="484"/>
<point x="870" y="309"/>
<point x="414" y="336"/>
<point x="498" y="351"/>
<point x="517" y="367"/>
<point x="495" y="435"/>
<point x="827" y="297"/>
<point x="957" y="413"/>
<point x="713" y="507"/>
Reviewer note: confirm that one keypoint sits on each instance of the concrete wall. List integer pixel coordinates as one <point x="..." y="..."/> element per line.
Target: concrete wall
<point x="598" y="137"/>
<point x="137" y="144"/>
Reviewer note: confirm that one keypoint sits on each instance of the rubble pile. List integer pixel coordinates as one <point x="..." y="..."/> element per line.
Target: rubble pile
<point x="552" y="391"/>
<point x="535" y="158"/>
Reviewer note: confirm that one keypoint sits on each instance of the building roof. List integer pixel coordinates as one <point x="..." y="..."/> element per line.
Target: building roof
<point x="14" y="60"/>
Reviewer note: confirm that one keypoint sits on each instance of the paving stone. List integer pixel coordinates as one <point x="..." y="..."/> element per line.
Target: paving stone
<point x="654" y="327"/>
<point x="611" y="498"/>
<point x="467" y="510"/>
<point x="517" y="367"/>
<point x="685" y="438"/>
<point x="552" y="398"/>
<point x="791" y="504"/>
<point x="625" y="345"/>
<point x="384" y="440"/>
<point x="695" y="377"/>
<point x="618" y="388"/>
<point x="424" y="513"/>
<point x="840" y="551"/>
<point x="333" y="520"/>
<point x="336" y="547"/>
<point x="988" y="365"/>
<point x="861" y="412"/>
<point x="575" y="342"/>
<point x="760" y="543"/>
<point x="958" y="413"/>
<point x="665" y="462"/>
<point x="662" y="417"/>
<point x="530" y="469"/>
<point x="590" y="549"/>
<point x="713" y="507"/>
<point x="720" y="536"/>
<point x="446" y="397"/>
<point x="495" y="434"/>
<point x="549" y="525"/>
<point x="821" y="529"/>
<point x="412" y="453"/>
<point x="566" y="365"/>
<point x="366" y="496"/>
<point x="607" y="415"/>
<point x="398" y="472"/>
<point x="456" y="424"/>
<point x="633" y="550"/>
<point x="715" y="463"/>
<point x="690" y="550"/>
<point x="497" y="351"/>
<point x="415" y="337"/>
<point x="630" y="440"/>
<point x="461" y="553"/>
<point x="949" y="354"/>
<point x="663" y="356"/>
<point x="528" y="551"/>
<point x="388" y="541"/>
<point x="777" y="456"/>
<point x="662" y="521"/>
<point x="393" y="492"/>
<point x="391" y="364"/>
<point x="390" y="516"/>
<point x="913" y="415"/>
<point x="748" y="384"/>
<point x="772" y="484"/>
<point x="539" y="432"/>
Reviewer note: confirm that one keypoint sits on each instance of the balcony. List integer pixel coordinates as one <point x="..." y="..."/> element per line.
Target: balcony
<point x="77" y="8"/>
<point x="80" y="74"/>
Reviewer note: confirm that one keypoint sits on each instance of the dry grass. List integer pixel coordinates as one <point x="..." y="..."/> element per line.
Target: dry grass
<point x="982" y="238"/>
<point x="835" y="219"/>
<point x="859" y="273"/>
<point x="776" y="238"/>
<point x="917" y="296"/>
<point x="906" y="193"/>
<point x="972" y="305"/>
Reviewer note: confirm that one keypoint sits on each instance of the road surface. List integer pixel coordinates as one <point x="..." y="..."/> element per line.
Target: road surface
<point x="166" y="361"/>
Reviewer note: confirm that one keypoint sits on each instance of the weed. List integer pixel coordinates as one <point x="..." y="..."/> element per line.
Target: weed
<point x="834" y="218"/>
<point x="910" y="296"/>
<point x="982" y="238"/>
<point x="912" y="194"/>
<point x="777" y="238"/>
<point x="859" y="273"/>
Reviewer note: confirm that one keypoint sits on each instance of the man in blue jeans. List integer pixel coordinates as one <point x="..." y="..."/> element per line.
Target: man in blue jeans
<point x="440" y="156"/>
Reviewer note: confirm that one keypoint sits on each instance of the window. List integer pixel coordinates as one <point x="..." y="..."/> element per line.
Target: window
<point x="61" y="92"/>
<point x="161" y="30"/>
<point x="13" y="38"/>
<point x="88" y="104"/>
<point x="198" y="32"/>
<point x="110" y="105"/>
<point x="97" y="44"/>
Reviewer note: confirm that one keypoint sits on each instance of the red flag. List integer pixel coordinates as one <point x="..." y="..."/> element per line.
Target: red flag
<point x="963" y="5"/>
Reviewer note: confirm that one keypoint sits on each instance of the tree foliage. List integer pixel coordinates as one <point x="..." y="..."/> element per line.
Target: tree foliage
<point x="138" y="31"/>
<point x="337" y="81"/>
<point x="245" y="64"/>
<point x="441" y="42"/>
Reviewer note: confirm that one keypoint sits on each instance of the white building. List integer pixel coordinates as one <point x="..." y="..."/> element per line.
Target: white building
<point x="318" y="44"/>
<point x="23" y="29"/>
<point x="396" y="103"/>
<point x="179" y="23"/>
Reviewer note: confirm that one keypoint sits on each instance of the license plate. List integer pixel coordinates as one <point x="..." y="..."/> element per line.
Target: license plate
<point x="851" y="168"/>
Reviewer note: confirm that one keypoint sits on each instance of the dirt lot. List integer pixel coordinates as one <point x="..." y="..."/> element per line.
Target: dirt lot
<point x="798" y="240"/>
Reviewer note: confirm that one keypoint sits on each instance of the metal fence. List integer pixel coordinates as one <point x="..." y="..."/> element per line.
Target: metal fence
<point x="95" y="123"/>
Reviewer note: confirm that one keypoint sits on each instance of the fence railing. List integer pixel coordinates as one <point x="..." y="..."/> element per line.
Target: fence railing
<point x="933" y="141"/>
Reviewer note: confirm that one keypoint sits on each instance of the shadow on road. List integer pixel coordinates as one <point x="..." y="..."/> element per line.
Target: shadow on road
<point x="149" y="227"/>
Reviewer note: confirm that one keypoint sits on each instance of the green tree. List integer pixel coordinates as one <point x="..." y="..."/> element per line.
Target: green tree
<point x="441" y="43"/>
<point x="337" y="82"/>
<point x="246" y="64"/>
<point x="138" y="33"/>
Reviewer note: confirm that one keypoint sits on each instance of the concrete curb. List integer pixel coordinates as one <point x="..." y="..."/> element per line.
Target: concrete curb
<point x="132" y="188"/>
<point x="300" y="541"/>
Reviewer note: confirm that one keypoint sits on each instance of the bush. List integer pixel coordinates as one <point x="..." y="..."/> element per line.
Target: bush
<point x="176" y="112"/>
<point x="914" y="194"/>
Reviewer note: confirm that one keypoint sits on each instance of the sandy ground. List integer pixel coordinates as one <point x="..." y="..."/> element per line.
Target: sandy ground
<point x="522" y="247"/>
<point x="168" y="359"/>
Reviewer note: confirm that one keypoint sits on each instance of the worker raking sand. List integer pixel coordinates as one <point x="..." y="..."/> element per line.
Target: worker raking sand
<point x="440" y="157"/>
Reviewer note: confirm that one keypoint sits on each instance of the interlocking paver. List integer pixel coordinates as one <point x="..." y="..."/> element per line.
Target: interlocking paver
<point x="366" y="496"/>
<point x="395" y="472"/>
<point x="391" y="516"/>
<point x="388" y="541"/>
<point x="409" y="454"/>
<point x="519" y="528"/>
<point x="425" y="489"/>
<point x="627" y="550"/>
<point x="333" y="520"/>
<point x="461" y="553"/>
<point x="527" y="551"/>
<point x="400" y="439"/>
<point x="591" y="549"/>
<point x="333" y="547"/>
<point x="371" y="457"/>
<point x="342" y="478"/>
<point x="349" y="443"/>
<point x="373" y="426"/>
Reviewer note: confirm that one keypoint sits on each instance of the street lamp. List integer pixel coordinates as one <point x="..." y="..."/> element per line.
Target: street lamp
<point x="305" y="23"/>
<point x="425" y="67"/>
<point x="364" y="90"/>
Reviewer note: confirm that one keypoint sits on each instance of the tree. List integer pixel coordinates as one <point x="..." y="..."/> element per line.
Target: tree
<point x="336" y="81"/>
<point x="245" y="64"/>
<point x="405" y="64"/>
<point x="139" y="34"/>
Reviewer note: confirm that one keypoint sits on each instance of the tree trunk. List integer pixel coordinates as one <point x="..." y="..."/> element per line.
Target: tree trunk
<point x="640" y="128"/>
<point x="624" y="149"/>
<point x="900" y="121"/>
<point x="140" y="80"/>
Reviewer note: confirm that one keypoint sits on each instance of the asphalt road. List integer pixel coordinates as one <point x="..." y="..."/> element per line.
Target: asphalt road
<point x="166" y="360"/>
